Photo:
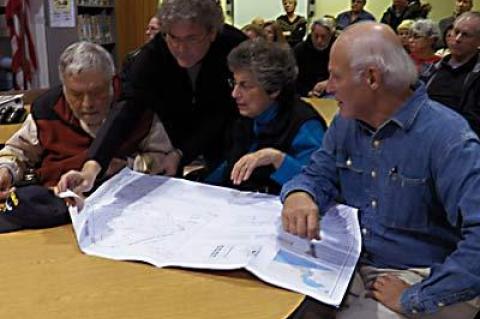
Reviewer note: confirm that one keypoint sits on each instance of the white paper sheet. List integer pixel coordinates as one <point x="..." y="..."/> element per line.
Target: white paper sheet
<point x="171" y="222"/>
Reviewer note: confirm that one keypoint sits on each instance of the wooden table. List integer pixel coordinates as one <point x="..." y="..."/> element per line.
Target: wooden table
<point x="43" y="274"/>
<point x="326" y="107"/>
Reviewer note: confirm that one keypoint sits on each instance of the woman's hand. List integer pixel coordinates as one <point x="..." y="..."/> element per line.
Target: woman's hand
<point x="244" y="167"/>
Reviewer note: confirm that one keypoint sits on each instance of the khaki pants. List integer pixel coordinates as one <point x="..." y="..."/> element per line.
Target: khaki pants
<point x="359" y="307"/>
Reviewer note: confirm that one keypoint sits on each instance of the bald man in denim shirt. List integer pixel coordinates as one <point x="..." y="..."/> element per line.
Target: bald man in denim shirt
<point x="412" y="168"/>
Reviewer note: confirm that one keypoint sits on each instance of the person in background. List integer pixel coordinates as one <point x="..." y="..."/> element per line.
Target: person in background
<point x="253" y="31"/>
<point x="277" y="132"/>
<point x="293" y="26"/>
<point x="153" y="27"/>
<point x="312" y="57"/>
<point x="411" y="167"/>
<point x="356" y="14"/>
<point x="424" y="35"/>
<point x="447" y="38"/>
<point x="404" y="9"/>
<point x="182" y="77"/>
<point x="258" y="21"/>
<point x="273" y="33"/>
<point x="57" y="133"/>
<point x="455" y="80"/>
<point x="403" y="32"/>
<point x="461" y="6"/>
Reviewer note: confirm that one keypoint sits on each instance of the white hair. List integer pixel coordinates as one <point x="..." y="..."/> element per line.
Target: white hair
<point x="81" y="56"/>
<point x="389" y="57"/>
<point x="426" y="28"/>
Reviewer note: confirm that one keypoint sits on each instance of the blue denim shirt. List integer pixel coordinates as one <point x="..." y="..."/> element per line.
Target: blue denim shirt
<point x="416" y="183"/>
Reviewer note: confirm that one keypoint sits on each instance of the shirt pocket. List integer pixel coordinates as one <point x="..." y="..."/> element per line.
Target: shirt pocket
<point x="407" y="202"/>
<point x="351" y="175"/>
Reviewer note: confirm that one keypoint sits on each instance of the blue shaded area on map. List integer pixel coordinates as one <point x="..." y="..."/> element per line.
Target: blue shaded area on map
<point x="288" y="258"/>
<point x="306" y="267"/>
<point x="306" y="278"/>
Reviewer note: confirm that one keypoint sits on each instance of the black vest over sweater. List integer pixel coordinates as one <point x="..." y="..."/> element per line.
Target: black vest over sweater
<point x="278" y="134"/>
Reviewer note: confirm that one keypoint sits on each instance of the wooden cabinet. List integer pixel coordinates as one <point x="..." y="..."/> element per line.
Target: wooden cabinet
<point x="132" y="18"/>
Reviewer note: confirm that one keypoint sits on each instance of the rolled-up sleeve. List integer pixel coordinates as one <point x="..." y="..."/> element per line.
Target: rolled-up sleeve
<point x="22" y="150"/>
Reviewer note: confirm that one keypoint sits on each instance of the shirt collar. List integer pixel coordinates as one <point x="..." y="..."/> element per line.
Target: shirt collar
<point x="265" y="117"/>
<point x="406" y="114"/>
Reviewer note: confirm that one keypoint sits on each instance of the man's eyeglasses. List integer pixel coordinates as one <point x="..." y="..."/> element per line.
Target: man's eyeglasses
<point x="189" y="41"/>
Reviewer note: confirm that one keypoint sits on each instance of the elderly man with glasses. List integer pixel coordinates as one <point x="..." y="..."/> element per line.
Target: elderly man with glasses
<point x="56" y="135"/>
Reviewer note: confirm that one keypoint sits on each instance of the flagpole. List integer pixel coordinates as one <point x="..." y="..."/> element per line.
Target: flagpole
<point x="23" y="22"/>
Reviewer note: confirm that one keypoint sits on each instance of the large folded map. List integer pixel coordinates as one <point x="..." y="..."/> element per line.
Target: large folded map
<point x="172" y="222"/>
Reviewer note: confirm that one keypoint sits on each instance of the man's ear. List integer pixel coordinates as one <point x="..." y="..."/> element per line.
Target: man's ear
<point x="373" y="78"/>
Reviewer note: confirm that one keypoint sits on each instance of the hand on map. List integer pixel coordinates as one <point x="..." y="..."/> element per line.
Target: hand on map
<point x="79" y="181"/>
<point x="300" y="216"/>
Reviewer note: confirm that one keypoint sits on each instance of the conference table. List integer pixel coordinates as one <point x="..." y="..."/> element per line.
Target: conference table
<point x="43" y="274"/>
<point x="327" y="107"/>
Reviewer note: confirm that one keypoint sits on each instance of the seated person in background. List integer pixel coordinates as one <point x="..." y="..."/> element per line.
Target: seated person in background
<point x="461" y="6"/>
<point x="424" y="35"/>
<point x="455" y="80"/>
<point x="356" y="14"/>
<point x="293" y="26"/>
<point x="312" y="57"/>
<point x="277" y="132"/>
<point x="403" y="32"/>
<point x="253" y="31"/>
<point x="419" y="216"/>
<point x="447" y="38"/>
<point x="404" y="9"/>
<point x="258" y="21"/>
<point x="153" y="27"/>
<point x="273" y="33"/>
<point x="56" y="135"/>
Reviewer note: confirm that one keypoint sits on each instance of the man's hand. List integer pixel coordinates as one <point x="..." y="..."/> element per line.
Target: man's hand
<point x="80" y="181"/>
<point x="244" y="167"/>
<point x="169" y="165"/>
<point x="116" y="164"/>
<point x="387" y="290"/>
<point x="300" y="216"/>
<point x="318" y="89"/>
<point x="6" y="181"/>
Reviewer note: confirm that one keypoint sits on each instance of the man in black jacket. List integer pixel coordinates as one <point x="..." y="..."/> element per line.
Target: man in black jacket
<point x="403" y="10"/>
<point x="312" y="57"/>
<point x="183" y="77"/>
<point x="455" y="80"/>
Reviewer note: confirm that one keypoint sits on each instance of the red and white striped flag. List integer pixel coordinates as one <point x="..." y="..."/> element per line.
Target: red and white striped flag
<point x="24" y="58"/>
